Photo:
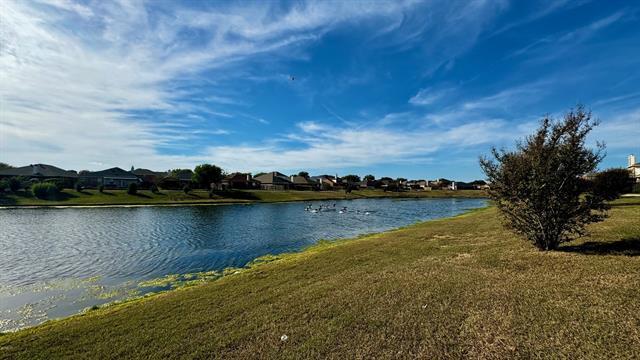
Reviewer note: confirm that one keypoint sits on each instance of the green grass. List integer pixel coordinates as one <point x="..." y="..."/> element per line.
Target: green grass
<point x="168" y="197"/>
<point x="451" y="288"/>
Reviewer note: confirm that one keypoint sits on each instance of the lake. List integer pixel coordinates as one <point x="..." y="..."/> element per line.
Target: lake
<point x="58" y="262"/>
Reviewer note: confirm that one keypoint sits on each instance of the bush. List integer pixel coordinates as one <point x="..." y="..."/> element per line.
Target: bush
<point x="59" y="184"/>
<point x="101" y="188"/>
<point x="79" y="187"/>
<point x="44" y="190"/>
<point x="186" y="189"/>
<point x="132" y="189"/>
<point x="610" y="184"/>
<point x="538" y="187"/>
<point x="14" y="184"/>
<point x="4" y="184"/>
<point x="154" y="189"/>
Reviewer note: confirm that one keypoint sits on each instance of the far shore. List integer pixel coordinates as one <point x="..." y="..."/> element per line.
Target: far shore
<point x="120" y="198"/>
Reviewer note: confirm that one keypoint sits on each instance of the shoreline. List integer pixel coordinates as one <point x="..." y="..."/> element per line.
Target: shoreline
<point x="231" y="201"/>
<point x="252" y="264"/>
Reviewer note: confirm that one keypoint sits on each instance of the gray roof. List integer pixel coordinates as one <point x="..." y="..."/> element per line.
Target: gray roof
<point x="38" y="170"/>
<point x="301" y="180"/>
<point x="115" y="172"/>
<point x="142" y="172"/>
<point x="273" y="178"/>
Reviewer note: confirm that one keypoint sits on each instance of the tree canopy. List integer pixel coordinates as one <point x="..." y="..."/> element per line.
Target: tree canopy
<point x="206" y="174"/>
<point x="351" y="178"/>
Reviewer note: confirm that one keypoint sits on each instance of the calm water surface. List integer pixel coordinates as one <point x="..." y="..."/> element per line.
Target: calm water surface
<point x="57" y="262"/>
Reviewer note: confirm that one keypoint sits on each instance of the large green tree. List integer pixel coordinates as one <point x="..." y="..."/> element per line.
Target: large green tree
<point x="538" y="187"/>
<point x="206" y="174"/>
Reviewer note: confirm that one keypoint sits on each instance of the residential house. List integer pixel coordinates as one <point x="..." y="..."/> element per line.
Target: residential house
<point x="325" y="181"/>
<point x="115" y="178"/>
<point x="274" y="181"/>
<point x="367" y="184"/>
<point x="460" y="185"/>
<point x="303" y="183"/>
<point x="418" y="185"/>
<point x="39" y="172"/>
<point x="149" y="177"/>
<point x="238" y="181"/>
<point x="634" y="168"/>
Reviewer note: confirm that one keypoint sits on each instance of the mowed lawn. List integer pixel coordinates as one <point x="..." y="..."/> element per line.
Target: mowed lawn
<point x="459" y="287"/>
<point x="90" y="197"/>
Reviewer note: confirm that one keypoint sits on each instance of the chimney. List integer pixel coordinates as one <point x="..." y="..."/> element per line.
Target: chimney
<point x="291" y="178"/>
<point x="631" y="160"/>
<point x="248" y="177"/>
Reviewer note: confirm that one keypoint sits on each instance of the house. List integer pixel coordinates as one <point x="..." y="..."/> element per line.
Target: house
<point x="460" y="185"/>
<point x="274" y="181"/>
<point x="39" y="172"/>
<point x="149" y="177"/>
<point x="325" y="181"/>
<point x="367" y="184"/>
<point x="238" y="181"/>
<point x="634" y="168"/>
<point x="115" y="178"/>
<point x="418" y="185"/>
<point x="303" y="183"/>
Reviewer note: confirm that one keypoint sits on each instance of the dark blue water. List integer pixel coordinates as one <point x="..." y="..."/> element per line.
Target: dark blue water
<point x="56" y="262"/>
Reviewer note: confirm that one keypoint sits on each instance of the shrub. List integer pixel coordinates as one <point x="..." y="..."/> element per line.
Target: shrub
<point x="14" y="184"/>
<point x="79" y="187"/>
<point x="538" y="187"/>
<point x="132" y="189"/>
<point x="154" y="189"/>
<point x="186" y="189"/>
<point x="101" y="188"/>
<point x="44" y="190"/>
<point x="4" y="184"/>
<point x="610" y="184"/>
<point x="59" y="184"/>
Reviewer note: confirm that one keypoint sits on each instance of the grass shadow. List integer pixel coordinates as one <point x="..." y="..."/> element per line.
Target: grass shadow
<point x="142" y="195"/>
<point x="626" y="247"/>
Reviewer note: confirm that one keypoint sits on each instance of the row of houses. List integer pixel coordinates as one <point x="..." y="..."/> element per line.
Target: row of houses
<point x="118" y="178"/>
<point x="110" y="178"/>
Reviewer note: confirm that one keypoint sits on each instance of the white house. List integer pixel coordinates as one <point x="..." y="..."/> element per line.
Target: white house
<point x="634" y="167"/>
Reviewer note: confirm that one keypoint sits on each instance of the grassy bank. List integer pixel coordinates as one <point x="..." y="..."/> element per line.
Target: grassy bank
<point x="459" y="287"/>
<point x="168" y="197"/>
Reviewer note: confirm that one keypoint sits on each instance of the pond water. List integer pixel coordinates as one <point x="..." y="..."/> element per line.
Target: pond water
<point x="57" y="262"/>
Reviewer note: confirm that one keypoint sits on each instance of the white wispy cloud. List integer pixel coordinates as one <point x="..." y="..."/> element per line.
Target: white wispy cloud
<point x="428" y="96"/>
<point x="67" y="93"/>
<point x="329" y="147"/>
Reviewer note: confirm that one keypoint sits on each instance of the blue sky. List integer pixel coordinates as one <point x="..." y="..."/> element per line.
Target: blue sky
<point x="412" y="89"/>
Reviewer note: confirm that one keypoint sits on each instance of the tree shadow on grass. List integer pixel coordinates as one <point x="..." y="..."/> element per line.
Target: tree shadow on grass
<point x="142" y="195"/>
<point x="627" y="247"/>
